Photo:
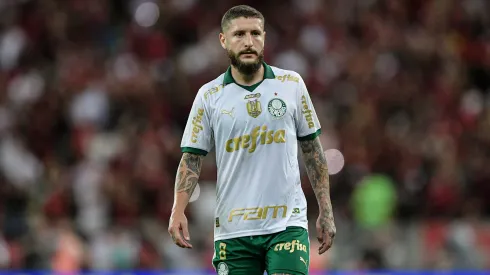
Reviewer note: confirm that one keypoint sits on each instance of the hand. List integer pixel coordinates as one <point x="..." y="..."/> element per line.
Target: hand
<point x="325" y="229"/>
<point x="179" y="231"/>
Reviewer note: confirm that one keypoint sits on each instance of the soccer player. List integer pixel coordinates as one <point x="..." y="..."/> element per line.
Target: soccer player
<point x="255" y="115"/>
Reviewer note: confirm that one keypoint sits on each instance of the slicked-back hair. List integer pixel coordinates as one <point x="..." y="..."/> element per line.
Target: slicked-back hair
<point x="237" y="12"/>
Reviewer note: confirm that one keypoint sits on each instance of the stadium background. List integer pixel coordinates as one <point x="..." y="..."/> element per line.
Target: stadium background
<point x="94" y="95"/>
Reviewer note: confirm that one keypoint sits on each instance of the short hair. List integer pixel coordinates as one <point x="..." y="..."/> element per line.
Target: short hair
<point x="240" y="11"/>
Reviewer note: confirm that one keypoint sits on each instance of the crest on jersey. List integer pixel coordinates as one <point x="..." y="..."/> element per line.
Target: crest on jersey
<point x="222" y="269"/>
<point x="254" y="108"/>
<point x="277" y="108"/>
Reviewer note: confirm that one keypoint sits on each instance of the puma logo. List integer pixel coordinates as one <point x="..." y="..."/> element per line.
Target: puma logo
<point x="303" y="260"/>
<point x="230" y="113"/>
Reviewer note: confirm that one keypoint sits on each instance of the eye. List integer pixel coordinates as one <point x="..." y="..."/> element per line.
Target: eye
<point x="239" y="34"/>
<point x="256" y="33"/>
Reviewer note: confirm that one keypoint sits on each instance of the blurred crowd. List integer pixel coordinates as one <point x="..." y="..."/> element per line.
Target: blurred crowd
<point x="94" y="95"/>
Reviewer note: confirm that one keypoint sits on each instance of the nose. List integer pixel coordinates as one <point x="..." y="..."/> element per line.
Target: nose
<point x="248" y="40"/>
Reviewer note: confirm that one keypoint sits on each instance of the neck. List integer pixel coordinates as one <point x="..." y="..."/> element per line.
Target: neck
<point x="247" y="80"/>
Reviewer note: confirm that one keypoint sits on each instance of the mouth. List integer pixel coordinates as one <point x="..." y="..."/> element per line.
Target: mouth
<point x="249" y="53"/>
<point x="248" y="56"/>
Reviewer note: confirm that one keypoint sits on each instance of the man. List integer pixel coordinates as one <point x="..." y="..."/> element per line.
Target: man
<point x="254" y="115"/>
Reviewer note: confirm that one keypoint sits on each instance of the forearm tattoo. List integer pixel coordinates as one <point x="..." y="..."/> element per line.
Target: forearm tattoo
<point x="188" y="173"/>
<point x="317" y="169"/>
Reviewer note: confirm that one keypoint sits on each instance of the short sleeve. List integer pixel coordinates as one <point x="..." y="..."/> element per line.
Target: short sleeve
<point x="197" y="136"/>
<point x="307" y="123"/>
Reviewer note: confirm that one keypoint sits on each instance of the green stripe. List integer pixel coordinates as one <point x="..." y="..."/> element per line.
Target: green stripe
<point x="311" y="136"/>
<point x="193" y="150"/>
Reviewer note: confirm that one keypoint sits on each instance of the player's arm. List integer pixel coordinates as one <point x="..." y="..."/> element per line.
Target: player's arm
<point x="185" y="182"/>
<point x="196" y="143"/>
<point x="308" y="131"/>
<point x="317" y="170"/>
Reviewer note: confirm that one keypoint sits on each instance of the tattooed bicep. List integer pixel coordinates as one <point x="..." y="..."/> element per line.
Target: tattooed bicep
<point x="315" y="162"/>
<point x="312" y="150"/>
<point x="188" y="173"/>
<point x="193" y="160"/>
<point x="311" y="146"/>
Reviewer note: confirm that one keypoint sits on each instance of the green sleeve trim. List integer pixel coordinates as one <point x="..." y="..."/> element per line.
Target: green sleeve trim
<point x="194" y="151"/>
<point x="311" y="136"/>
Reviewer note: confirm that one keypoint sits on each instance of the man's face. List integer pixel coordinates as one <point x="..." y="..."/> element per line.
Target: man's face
<point x="243" y="39"/>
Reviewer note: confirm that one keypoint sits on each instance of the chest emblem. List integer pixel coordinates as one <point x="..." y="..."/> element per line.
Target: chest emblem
<point x="254" y="108"/>
<point x="276" y="107"/>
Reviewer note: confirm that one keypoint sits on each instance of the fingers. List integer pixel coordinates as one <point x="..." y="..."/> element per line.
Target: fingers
<point x="322" y="238"/>
<point x="319" y="233"/>
<point x="185" y="233"/>
<point x="326" y="244"/>
<point x="178" y="237"/>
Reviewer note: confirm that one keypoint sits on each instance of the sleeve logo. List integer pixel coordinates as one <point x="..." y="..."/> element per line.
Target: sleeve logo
<point x="197" y="125"/>
<point x="307" y="113"/>
<point x="212" y="91"/>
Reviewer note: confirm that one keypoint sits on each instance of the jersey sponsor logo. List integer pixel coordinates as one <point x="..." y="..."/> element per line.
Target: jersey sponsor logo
<point x="296" y="211"/>
<point x="252" y="96"/>
<point x="258" y="213"/>
<point x="294" y="245"/>
<point x="287" y="77"/>
<point x="212" y="91"/>
<point x="254" y="108"/>
<point x="250" y="141"/>
<point x="197" y="125"/>
<point x="307" y="112"/>
<point x="277" y="107"/>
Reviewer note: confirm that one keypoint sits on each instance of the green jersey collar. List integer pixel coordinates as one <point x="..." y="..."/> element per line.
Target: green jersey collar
<point x="268" y="74"/>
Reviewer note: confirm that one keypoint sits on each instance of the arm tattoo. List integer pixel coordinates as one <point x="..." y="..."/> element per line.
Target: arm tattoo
<point x="316" y="167"/>
<point x="188" y="173"/>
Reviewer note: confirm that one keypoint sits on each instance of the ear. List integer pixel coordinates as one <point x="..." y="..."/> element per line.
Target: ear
<point x="222" y="40"/>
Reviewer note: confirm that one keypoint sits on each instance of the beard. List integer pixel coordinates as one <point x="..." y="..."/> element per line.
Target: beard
<point x="243" y="67"/>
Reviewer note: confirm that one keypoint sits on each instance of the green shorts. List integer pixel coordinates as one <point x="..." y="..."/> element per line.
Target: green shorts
<point x="283" y="252"/>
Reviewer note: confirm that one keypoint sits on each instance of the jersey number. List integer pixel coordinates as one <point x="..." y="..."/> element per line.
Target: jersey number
<point x="222" y="251"/>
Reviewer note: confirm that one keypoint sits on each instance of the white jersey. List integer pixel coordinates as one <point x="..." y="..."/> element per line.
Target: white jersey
<point x="254" y="131"/>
